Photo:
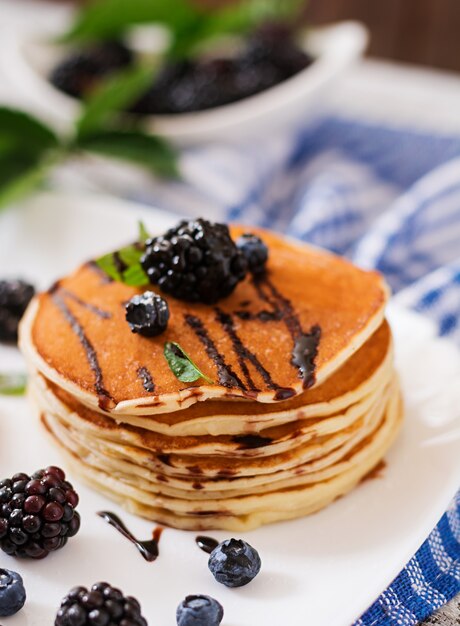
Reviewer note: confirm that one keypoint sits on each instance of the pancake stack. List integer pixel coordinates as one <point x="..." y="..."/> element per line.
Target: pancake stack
<point x="271" y="437"/>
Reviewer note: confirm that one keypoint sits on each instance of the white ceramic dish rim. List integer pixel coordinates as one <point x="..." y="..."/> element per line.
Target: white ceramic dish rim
<point x="50" y="209"/>
<point x="335" y="47"/>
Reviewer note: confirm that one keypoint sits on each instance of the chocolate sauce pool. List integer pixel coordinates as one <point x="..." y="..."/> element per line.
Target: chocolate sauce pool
<point x="148" y="549"/>
<point x="207" y="544"/>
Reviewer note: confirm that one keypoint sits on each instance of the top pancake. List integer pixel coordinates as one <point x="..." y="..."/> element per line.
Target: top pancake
<point x="76" y="333"/>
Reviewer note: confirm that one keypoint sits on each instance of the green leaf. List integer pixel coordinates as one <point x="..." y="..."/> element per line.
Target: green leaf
<point x="131" y="255"/>
<point x="135" y="276"/>
<point x="111" y="96"/>
<point x="19" y="175"/>
<point x="108" y="265"/>
<point x="124" y="265"/>
<point x="27" y="149"/>
<point x="146" y="150"/>
<point x="23" y="133"/>
<point x="103" y="19"/>
<point x="143" y="232"/>
<point x="182" y="365"/>
<point x="241" y="17"/>
<point x="13" y="384"/>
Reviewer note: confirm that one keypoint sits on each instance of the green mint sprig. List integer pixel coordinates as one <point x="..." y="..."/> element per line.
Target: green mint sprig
<point x="189" y="25"/>
<point x="124" y="265"/>
<point x="182" y="365"/>
<point x="13" y="384"/>
<point x="29" y="149"/>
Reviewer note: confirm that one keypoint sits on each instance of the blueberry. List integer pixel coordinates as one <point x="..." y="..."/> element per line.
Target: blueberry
<point x="255" y="252"/>
<point x="234" y="563"/>
<point x="199" y="611"/>
<point x="147" y="314"/>
<point x="12" y="593"/>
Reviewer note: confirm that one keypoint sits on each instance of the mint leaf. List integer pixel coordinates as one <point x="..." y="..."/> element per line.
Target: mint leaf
<point x="243" y="16"/>
<point x="182" y="365"/>
<point x="24" y="134"/>
<point x="133" y="273"/>
<point x="27" y="148"/>
<point x="124" y="265"/>
<point x="143" y="232"/>
<point x="19" y="175"/>
<point x="108" y="264"/>
<point x="145" y="150"/>
<point x="13" y="384"/>
<point x="103" y="19"/>
<point x="131" y="255"/>
<point x="135" y="276"/>
<point x="114" y="94"/>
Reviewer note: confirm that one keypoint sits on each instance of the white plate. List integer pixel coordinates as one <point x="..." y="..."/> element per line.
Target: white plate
<point x="26" y="58"/>
<point x="323" y="570"/>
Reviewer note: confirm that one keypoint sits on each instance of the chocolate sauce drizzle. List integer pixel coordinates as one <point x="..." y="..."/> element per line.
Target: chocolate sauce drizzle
<point x="104" y="397"/>
<point x="105" y="278"/>
<point x="251" y="441"/>
<point x="226" y="376"/>
<point x="146" y="378"/>
<point x="148" y="549"/>
<point x="243" y="353"/>
<point x="280" y="305"/>
<point x="262" y="316"/>
<point x="305" y="344"/>
<point x="207" y="544"/>
<point x="105" y="315"/>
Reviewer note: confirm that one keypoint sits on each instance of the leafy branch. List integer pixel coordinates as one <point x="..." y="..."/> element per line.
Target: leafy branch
<point x="189" y="25"/>
<point x="29" y="149"/>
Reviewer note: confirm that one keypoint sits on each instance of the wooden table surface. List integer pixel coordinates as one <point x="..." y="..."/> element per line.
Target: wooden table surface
<point x="448" y="615"/>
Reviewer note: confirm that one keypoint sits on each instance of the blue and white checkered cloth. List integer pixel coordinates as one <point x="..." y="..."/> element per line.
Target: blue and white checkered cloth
<point x="387" y="198"/>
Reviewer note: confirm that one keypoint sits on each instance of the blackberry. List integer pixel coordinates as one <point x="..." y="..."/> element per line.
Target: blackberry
<point x="147" y="314"/>
<point x="196" y="261"/>
<point x="234" y="563"/>
<point x="269" y="57"/>
<point x="37" y="513"/>
<point x="273" y="45"/>
<point x="161" y="97"/>
<point x="199" y="611"/>
<point x="186" y="86"/>
<point x="12" y="593"/>
<point x="102" y="605"/>
<point x="77" y="74"/>
<point x="255" y="251"/>
<point x="15" y="295"/>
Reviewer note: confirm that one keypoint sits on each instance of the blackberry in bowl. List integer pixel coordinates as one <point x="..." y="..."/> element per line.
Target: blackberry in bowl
<point x="37" y="513"/>
<point x="102" y="605"/>
<point x="80" y="72"/>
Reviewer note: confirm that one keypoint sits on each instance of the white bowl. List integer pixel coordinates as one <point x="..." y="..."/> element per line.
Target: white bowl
<point x="26" y="61"/>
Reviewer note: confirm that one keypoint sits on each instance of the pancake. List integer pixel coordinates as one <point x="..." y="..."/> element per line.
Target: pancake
<point x="367" y="370"/>
<point x="264" y="441"/>
<point x="77" y="336"/>
<point x="269" y="441"/>
<point x="273" y="441"/>
<point x="245" y="512"/>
